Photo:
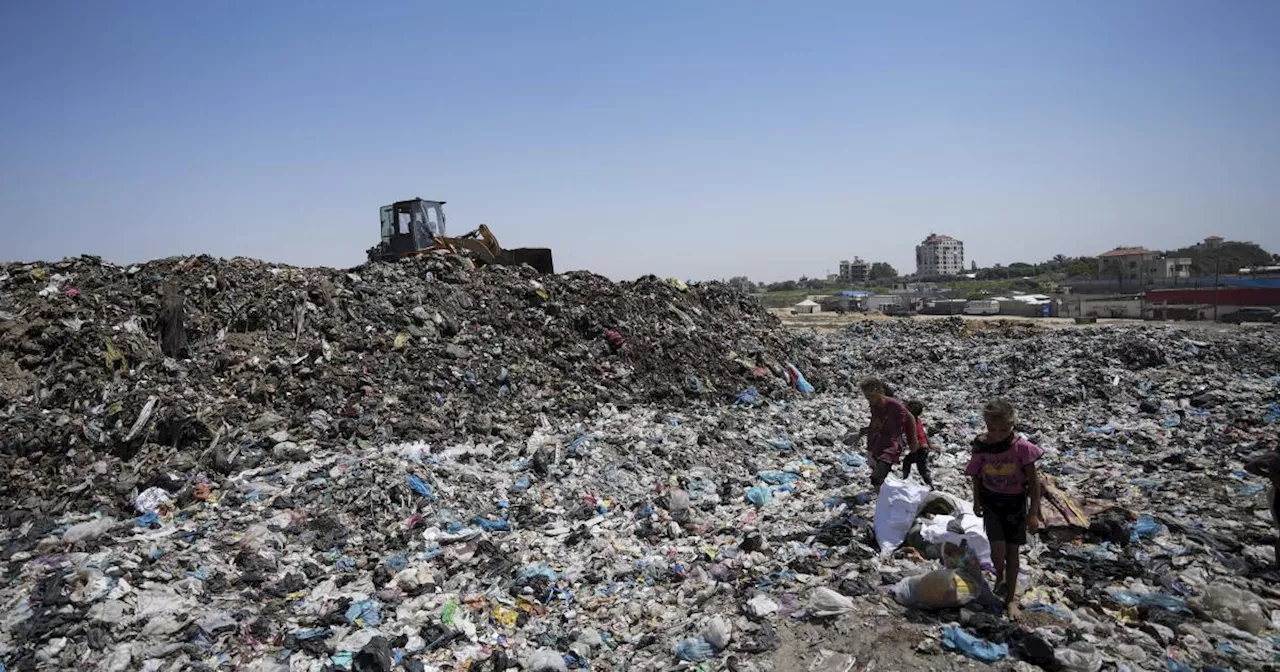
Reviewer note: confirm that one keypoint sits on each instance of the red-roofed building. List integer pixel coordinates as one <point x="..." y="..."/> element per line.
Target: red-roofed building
<point x="1138" y="264"/>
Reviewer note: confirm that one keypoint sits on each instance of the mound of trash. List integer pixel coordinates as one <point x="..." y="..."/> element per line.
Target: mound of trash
<point x="308" y="486"/>
<point x="210" y="355"/>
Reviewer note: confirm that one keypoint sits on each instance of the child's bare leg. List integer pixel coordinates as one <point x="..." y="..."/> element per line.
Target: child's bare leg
<point x="1012" y="560"/>
<point x="998" y="560"/>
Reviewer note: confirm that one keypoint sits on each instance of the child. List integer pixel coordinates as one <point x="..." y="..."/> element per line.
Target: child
<point x="1003" y="470"/>
<point x="920" y="457"/>
<point x="1268" y="466"/>
<point x="890" y="420"/>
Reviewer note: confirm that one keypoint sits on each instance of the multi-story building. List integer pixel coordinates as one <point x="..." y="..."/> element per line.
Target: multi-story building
<point x="938" y="256"/>
<point x="855" y="271"/>
<point x="1140" y="264"/>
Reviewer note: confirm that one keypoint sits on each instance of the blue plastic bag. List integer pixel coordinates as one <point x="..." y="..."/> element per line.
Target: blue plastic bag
<point x="366" y="612"/>
<point x="421" y="487"/>
<point x="694" y="650"/>
<point x="747" y="397"/>
<point x="759" y="496"/>
<point x="491" y="525"/>
<point x="958" y="639"/>
<point x="778" y="477"/>
<point x="853" y="460"/>
<point x="798" y="380"/>
<point x="1145" y="528"/>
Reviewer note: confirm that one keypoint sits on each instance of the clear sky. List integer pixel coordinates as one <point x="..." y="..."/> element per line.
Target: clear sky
<point x="694" y="139"/>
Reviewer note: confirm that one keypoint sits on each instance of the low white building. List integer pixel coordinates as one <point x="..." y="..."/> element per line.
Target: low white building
<point x="880" y="301"/>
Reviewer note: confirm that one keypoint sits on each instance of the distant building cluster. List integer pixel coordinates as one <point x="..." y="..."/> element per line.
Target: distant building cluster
<point x="856" y="271"/>
<point x="939" y="256"/>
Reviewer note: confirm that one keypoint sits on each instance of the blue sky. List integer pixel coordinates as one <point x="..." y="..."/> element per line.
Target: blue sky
<point x="694" y="139"/>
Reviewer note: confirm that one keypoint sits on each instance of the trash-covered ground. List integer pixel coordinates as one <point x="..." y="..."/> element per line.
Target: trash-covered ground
<point x="425" y="466"/>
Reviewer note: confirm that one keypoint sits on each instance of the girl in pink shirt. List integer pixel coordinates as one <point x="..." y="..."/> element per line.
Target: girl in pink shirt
<point x="1006" y="493"/>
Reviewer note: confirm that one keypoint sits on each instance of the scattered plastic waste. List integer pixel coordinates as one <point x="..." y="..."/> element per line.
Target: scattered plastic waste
<point x="512" y="484"/>
<point x="957" y="639"/>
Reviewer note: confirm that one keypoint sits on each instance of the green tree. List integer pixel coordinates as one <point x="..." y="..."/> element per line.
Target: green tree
<point x="1227" y="257"/>
<point x="1082" y="267"/>
<point x="881" y="271"/>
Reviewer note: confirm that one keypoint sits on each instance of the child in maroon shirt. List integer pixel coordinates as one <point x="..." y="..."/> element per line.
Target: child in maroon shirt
<point x="890" y="421"/>
<point x="920" y="458"/>
<point x="1003" y="470"/>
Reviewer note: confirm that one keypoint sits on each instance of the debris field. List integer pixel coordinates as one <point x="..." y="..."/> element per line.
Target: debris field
<point x="229" y="464"/>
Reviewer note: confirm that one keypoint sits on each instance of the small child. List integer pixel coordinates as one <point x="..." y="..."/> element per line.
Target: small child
<point x="920" y="458"/>
<point x="1268" y="466"/>
<point x="1003" y="472"/>
<point x="890" y="421"/>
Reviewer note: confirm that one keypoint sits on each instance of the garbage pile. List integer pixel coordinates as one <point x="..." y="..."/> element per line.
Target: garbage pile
<point x="1160" y="550"/>
<point x="617" y="521"/>
<point x="201" y="354"/>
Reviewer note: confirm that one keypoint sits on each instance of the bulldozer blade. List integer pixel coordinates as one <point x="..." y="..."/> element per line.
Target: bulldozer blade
<point x="537" y="257"/>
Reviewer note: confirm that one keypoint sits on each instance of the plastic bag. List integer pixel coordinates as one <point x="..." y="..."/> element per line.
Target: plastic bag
<point x="827" y="602"/>
<point x="759" y="495"/>
<point x="761" y="605"/>
<point x="896" y="510"/>
<point x="941" y="530"/>
<point x="545" y="660"/>
<point x="797" y="380"/>
<point x="88" y="530"/>
<point x="152" y="499"/>
<point x="1159" y="600"/>
<point x="958" y="639"/>
<point x="748" y="397"/>
<point x="1239" y="608"/>
<point x="1079" y="657"/>
<point x="421" y="487"/>
<point x="718" y="632"/>
<point x="694" y="650"/>
<point x="939" y="589"/>
<point x="1145" y="528"/>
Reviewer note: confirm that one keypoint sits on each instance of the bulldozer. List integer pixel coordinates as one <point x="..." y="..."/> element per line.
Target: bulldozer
<point x="417" y="226"/>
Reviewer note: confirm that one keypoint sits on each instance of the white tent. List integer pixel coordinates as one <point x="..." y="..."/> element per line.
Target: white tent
<point x="807" y="306"/>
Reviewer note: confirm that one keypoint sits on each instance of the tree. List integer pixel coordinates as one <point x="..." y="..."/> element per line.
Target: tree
<point x="882" y="271"/>
<point x="1227" y="257"/>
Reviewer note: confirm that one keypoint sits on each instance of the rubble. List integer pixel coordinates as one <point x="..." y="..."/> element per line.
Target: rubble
<point x="426" y="466"/>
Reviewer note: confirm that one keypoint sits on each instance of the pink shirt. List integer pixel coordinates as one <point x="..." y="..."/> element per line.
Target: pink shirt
<point x="1002" y="473"/>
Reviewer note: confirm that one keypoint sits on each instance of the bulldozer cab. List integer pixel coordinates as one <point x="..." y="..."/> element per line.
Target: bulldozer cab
<point x="417" y="226"/>
<point x="411" y="226"/>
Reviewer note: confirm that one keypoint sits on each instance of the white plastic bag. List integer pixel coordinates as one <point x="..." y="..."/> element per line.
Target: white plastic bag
<point x="936" y="531"/>
<point x="827" y="602"/>
<point x="1241" y="609"/>
<point x="896" y="510"/>
<point x="718" y="632"/>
